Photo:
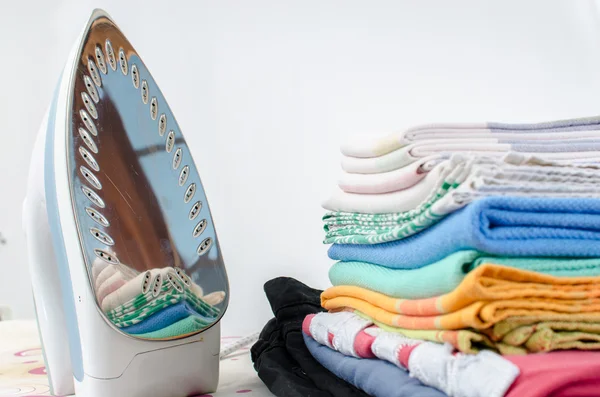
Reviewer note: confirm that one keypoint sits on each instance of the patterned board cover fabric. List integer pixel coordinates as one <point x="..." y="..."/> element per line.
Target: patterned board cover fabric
<point x="23" y="374"/>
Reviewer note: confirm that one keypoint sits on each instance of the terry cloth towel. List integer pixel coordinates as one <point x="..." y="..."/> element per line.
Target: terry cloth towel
<point x="574" y="129"/>
<point x="557" y="374"/>
<point x="376" y="377"/>
<point x="166" y="317"/>
<point x="557" y="335"/>
<point x="433" y="364"/>
<point x="444" y="276"/>
<point x="563" y="151"/>
<point x="453" y="184"/>
<point x="486" y="296"/>
<point x="527" y="332"/>
<point x="502" y="226"/>
<point x="188" y="326"/>
<point x="511" y="336"/>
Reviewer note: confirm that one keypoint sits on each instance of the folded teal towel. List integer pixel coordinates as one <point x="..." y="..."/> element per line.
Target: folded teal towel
<point x="186" y="326"/>
<point x="444" y="276"/>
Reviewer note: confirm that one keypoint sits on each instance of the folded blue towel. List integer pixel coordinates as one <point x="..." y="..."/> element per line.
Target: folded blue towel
<point x="375" y="377"/>
<point x="507" y="226"/>
<point x="164" y="318"/>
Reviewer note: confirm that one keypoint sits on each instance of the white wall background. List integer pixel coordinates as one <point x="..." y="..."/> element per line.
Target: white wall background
<point x="266" y="90"/>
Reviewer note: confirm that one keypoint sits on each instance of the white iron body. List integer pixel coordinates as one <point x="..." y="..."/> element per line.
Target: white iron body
<point x="84" y="354"/>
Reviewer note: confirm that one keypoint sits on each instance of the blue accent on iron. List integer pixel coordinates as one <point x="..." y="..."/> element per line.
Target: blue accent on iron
<point x="59" y="245"/>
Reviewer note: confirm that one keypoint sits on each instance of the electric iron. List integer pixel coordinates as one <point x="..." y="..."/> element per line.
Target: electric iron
<point x="128" y="278"/>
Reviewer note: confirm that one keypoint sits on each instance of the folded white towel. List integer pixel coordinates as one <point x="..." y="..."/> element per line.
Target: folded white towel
<point x="574" y="129"/>
<point x="566" y="151"/>
<point x="390" y="181"/>
<point x="476" y="176"/>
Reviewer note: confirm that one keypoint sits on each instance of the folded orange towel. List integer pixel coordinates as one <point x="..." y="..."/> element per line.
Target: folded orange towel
<point x="489" y="294"/>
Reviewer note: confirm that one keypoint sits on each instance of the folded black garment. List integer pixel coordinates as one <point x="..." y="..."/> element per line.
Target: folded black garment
<point x="281" y="357"/>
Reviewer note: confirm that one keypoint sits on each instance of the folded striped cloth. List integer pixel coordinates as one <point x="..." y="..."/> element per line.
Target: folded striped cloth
<point x="488" y="295"/>
<point x="453" y="184"/>
<point x="167" y="317"/>
<point x="541" y="375"/>
<point x="145" y="305"/>
<point x="410" y="175"/>
<point x="572" y="129"/>
<point x="561" y="151"/>
<point x="501" y="226"/>
<point x="515" y="335"/>
<point x="484" y="374"/>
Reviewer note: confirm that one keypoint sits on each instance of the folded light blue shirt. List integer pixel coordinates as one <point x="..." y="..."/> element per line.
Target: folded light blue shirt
<point x="375" y="377"/>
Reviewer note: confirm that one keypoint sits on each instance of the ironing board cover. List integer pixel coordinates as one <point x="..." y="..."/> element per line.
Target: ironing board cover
<point x="22" y="371"/>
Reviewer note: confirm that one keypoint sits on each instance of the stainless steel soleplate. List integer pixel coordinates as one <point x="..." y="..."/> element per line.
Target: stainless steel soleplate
<point x="138" y="199"/>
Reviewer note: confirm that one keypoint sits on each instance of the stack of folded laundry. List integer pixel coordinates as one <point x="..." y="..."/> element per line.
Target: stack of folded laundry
<point x="468" y="258"/>
<point x="156" y="304"/>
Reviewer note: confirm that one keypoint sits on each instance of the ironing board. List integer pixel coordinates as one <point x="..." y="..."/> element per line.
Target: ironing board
<point x="22" y="371"/>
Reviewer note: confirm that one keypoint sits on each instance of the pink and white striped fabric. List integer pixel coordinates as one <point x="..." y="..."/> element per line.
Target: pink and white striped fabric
<point x="485" y="374"/>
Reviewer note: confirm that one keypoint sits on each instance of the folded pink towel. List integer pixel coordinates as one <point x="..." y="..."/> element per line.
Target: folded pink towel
<point x="554" y="374"/>
<point x="97" y="266"/>
<point x="109" y="287"/>
<point x="104" y="275"/>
